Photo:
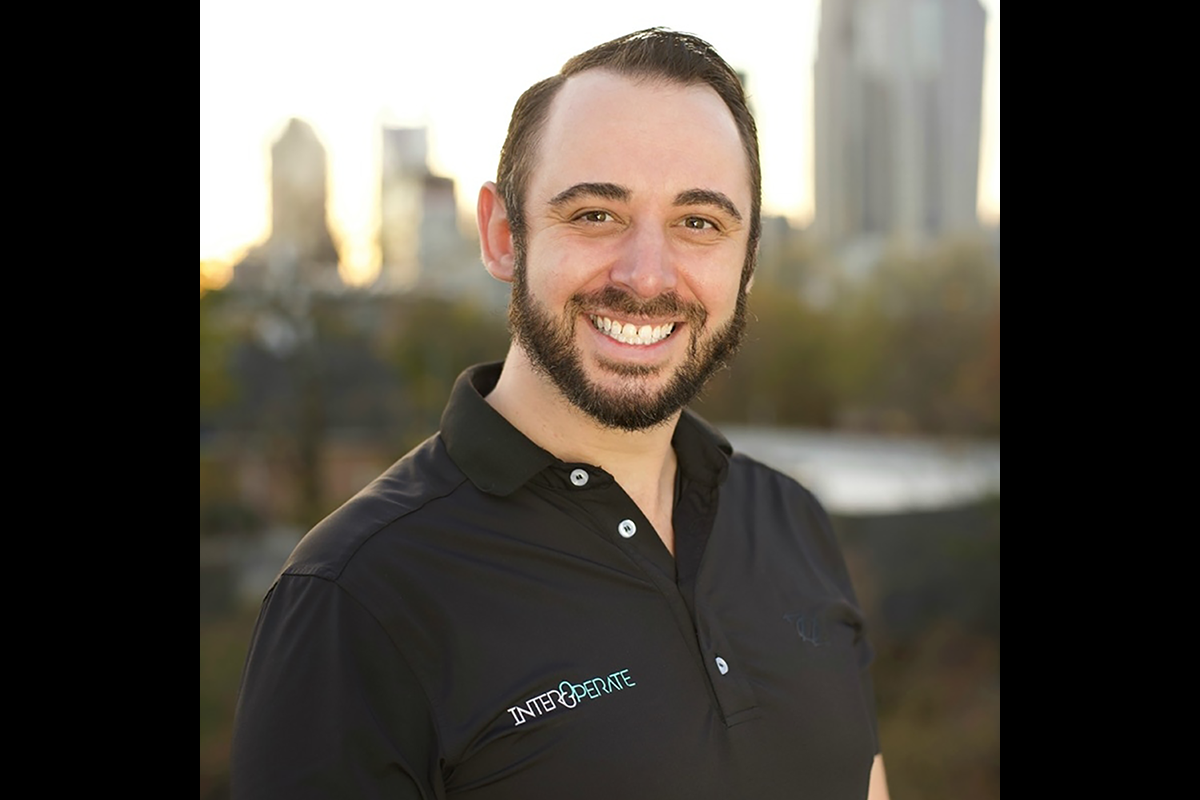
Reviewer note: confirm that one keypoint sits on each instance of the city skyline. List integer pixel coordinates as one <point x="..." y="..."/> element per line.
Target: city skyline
<point x="263" y="63"/>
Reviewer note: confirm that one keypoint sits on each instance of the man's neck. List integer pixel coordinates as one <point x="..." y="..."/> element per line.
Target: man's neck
<point x="642" y="462"/>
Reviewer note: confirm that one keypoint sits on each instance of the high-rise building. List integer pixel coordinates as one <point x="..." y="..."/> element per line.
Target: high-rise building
<point x="401" y="189"/>
<point x="898" y="102"/>
<point x="299" y="248"/>
<point x="420" y="244"/>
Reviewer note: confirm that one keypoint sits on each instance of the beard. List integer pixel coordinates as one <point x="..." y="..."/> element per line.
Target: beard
<point x="626" y="403"/>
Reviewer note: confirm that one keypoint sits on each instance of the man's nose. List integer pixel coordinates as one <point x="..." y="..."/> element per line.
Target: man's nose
<point x="646" y="265"/>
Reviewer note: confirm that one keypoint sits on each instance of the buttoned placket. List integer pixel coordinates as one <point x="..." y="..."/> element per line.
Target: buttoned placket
<point x="619" y="520"/>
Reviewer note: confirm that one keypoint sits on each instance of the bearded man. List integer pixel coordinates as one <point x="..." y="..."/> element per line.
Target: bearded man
<point x="575" y="589"/>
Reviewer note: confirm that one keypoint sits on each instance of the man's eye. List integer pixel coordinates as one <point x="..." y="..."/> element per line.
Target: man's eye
<point x="698" y="223"/>
<point x="595" y="216"/>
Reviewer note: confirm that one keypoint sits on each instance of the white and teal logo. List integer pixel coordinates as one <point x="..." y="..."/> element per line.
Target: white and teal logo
<point x="570" y="694"/>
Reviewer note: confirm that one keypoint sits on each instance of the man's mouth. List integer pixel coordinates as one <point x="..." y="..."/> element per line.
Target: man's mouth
<point x="628" y="333"/>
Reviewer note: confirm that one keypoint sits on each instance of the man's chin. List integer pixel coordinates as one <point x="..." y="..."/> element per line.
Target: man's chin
<point x="630" y="397"/>
<point x="627" y="369"/>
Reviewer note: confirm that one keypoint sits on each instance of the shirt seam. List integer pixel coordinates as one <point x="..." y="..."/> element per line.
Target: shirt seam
<point x="429" y="704"/>
<point x="333" y="572"/>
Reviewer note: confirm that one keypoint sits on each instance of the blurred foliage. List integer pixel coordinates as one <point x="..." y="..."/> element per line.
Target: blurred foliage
<point x="939" y="715"/>
<point x="223" y="646"/>
<point x="439" y="340"/>
<point x="929" y="583"/>
<point x="913" y="347"/>
<point x="942" y="354"/>
<point x="216" y="341"/>
<point x="285" y="379"/>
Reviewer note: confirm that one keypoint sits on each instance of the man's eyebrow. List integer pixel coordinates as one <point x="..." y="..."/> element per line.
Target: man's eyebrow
<point x="608" y="191"/>
<point x="708" y="197"/>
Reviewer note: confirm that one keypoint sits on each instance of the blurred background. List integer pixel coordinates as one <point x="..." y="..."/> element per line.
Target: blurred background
<point x="341" y="293"/>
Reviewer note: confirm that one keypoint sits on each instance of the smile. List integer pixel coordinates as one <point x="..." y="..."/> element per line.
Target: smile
<point x="628" y="333"/>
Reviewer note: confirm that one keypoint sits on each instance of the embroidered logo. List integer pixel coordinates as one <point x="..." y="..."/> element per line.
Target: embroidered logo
<point x="570" y="694"/>
<point x="808" y="628"/>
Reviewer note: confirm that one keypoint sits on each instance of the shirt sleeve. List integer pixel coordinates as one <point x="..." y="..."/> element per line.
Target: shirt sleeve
<point x="328" y="707"/>
<point x="864" y="652"/>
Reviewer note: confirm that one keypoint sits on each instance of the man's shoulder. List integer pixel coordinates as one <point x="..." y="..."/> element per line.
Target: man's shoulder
<point x="780" y="515"/>
<point x="747" y="473"/>
<point x="756" y="490"/>
<point x="423" y="476"/>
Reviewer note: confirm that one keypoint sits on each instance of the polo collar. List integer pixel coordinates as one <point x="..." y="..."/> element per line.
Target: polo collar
<point x="499" y="459"/>
<point x="702" y="451"/>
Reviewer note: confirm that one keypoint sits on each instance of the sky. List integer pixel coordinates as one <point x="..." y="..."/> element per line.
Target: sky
<point x="456" y="68"/>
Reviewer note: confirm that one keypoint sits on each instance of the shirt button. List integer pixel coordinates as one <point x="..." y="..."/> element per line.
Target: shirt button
<point x="627" y="528"/>
<point x="722" y="666"/>
<point x="579" y="477"/>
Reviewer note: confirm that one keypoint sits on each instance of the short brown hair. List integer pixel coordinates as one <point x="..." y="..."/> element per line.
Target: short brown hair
<point x="654" y="52"/>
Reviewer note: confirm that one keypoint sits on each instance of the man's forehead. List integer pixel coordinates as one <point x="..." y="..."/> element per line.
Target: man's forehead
<point x="596" y="91"/>
<point x="605" y="126"/>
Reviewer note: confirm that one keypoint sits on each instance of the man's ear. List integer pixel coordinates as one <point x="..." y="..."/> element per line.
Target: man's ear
<point x="753" y="266"/>
<point x="495" y="237"/>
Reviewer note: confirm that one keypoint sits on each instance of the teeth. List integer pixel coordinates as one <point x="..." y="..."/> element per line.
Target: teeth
<point x="628" y="333"/>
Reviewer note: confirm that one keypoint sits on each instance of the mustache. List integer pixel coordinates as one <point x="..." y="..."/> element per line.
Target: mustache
<point x="668" y="304"/>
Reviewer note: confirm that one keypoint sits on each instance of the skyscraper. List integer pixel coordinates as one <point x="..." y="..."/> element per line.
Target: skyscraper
<point x="898" y="88"/>
<point x="300" y="248"/>
<point x="420" y="245"/>
<point x="401" y="186"/>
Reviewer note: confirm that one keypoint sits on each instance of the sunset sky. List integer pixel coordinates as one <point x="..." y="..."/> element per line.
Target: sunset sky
<point x="457" y="68"/>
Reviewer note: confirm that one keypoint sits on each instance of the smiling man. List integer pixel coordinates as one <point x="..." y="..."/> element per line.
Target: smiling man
<point x="576" y="589"/>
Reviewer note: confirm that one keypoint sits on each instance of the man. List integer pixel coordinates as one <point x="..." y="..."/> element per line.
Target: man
<point x="575" y="590"/>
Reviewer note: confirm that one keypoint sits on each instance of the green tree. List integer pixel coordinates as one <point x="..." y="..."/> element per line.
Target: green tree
<point x="436" y="341"/>
<point x="941" y="312"/>
<point x="216" y="343"/>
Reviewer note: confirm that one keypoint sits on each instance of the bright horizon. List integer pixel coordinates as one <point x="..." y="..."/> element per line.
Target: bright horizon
<point x="263" y="62"/>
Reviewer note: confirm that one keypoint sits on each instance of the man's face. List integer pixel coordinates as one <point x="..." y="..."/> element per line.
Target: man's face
<point x="631" y="295"/>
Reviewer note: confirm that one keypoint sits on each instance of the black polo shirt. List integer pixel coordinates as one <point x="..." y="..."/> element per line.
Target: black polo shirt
<point x="486" y="621"/>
